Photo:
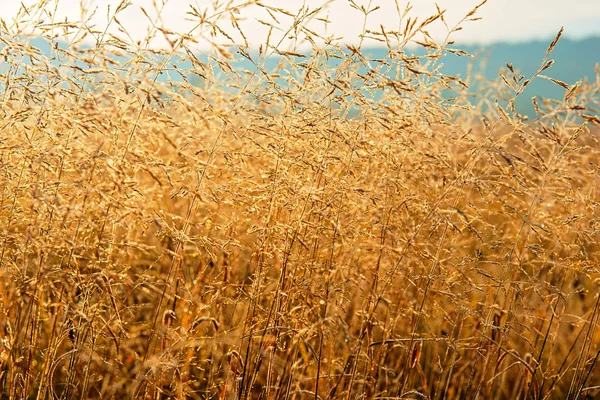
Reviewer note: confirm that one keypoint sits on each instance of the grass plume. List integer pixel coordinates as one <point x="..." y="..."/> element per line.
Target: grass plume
<point x="331" y="226"/>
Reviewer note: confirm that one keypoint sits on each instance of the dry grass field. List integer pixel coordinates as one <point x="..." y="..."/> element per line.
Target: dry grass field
<point x="365" y="230"/>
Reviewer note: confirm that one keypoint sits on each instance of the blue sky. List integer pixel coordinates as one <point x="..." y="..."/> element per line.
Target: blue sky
<point x="502" y="20"/>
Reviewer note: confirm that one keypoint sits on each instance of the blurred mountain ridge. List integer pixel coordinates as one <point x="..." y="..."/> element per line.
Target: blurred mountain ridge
<point x="574" y="60"/>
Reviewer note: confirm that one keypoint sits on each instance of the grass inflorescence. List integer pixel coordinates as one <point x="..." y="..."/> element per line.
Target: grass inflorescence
<point x="323" y="226"/>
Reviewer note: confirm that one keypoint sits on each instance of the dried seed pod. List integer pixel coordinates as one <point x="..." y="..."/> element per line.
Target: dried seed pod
<point x="235" y="362"/>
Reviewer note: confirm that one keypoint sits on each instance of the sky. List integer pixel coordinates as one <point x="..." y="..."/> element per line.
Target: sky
<point x="502" y="20"/>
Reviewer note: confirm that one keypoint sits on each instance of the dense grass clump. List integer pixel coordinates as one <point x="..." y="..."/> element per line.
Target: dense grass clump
<point x="331" y="227"/>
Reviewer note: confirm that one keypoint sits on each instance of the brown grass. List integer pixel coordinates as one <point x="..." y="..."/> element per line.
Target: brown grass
<point x="288" y="233"/>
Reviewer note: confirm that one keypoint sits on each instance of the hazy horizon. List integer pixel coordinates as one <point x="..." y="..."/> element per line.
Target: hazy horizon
<point x="509" y="21"/>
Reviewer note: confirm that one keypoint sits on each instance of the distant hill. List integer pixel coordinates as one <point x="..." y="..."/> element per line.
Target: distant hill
<point x="574" y="60"/>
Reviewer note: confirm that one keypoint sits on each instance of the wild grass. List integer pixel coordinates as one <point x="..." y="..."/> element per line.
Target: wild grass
<point x="364" y="229"/>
